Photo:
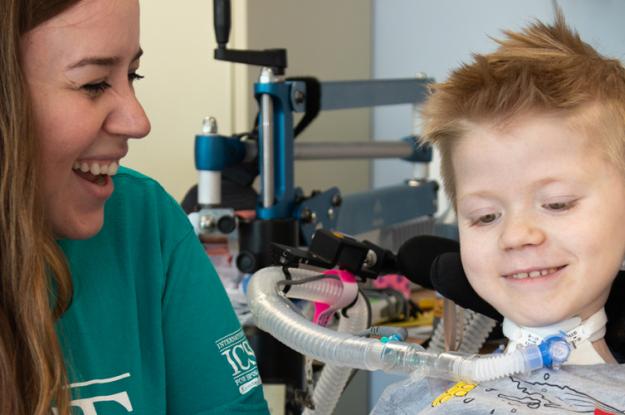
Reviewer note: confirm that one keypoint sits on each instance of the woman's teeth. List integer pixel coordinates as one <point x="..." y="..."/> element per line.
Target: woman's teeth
<point x="533" y="274"/>
<point x="97" y="168"/>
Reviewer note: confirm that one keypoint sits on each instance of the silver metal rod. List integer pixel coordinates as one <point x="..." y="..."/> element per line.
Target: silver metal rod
<point x="373" y="92"/>
<point x="352" y="150"/>
<point x="268" y="191"/>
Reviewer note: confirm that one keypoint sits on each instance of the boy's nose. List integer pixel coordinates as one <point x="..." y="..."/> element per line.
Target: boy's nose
<point x="520" y="232"/>
<point x="128" y="118"/>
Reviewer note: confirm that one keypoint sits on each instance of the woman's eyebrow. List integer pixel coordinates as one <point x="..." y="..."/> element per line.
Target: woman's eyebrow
<point x="102" y="61"/>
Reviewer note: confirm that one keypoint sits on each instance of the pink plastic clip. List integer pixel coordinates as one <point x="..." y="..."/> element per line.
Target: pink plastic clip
<point x="323" y="311"/>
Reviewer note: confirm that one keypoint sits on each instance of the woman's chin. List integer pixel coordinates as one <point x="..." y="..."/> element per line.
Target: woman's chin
<point x="79" y="229"/>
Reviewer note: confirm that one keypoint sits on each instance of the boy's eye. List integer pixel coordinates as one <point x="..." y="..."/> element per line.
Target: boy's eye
<point x="559" y="206"/>
<point x="486" y="219"/>
<point x="96" y="89"/>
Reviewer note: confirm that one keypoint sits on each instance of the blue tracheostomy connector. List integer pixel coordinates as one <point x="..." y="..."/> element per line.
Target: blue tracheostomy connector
<point x="555" y="350"/>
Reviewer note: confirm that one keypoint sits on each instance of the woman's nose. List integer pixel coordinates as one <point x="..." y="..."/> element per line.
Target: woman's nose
<point x="519" y="232"/>
<point x="128" y="118"/>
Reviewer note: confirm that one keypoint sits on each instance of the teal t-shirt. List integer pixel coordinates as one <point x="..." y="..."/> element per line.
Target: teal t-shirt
<point x="150" y="329"/>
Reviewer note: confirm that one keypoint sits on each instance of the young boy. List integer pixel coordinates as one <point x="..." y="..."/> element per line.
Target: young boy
<point x="532" y="140"/>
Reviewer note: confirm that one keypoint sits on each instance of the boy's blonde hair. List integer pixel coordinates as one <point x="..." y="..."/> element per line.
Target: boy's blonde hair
<point x="541" y="69"/>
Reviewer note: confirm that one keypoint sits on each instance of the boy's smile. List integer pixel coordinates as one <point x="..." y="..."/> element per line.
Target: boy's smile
<point x="540" y="217"/>
<point x="533" y="273"/>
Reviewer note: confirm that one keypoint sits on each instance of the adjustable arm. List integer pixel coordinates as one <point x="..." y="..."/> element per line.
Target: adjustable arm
<point x="271" y="58"/>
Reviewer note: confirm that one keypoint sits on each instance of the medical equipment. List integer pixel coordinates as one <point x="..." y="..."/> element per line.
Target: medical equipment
<point x="334" y="289"/>
<point x="212" y="218"/>
<point x="275" y="315"/>
<point x="579" y="334"/>
<point x="284" y="214"/>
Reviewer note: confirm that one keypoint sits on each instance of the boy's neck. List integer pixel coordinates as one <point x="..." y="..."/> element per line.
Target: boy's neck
<point x="586" y="337"/>
<point x="602" y="349"/>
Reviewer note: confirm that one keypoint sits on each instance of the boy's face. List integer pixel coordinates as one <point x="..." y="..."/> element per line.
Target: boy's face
<point x="540" y="214"/>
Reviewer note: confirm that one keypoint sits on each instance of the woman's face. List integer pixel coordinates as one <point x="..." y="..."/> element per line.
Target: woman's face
<point x="80" y="67"/>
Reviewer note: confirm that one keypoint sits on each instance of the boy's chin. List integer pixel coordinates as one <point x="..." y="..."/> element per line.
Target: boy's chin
<point x="544" y="320"/>
<point x="536" y="317"/>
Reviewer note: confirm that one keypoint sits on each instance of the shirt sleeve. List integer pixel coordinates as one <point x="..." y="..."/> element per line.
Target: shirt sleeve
<point x="210" y="366"/>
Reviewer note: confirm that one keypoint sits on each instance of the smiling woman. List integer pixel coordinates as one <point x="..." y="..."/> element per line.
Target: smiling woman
<point x="107" y="300"/>
<point x="85" y="109"/>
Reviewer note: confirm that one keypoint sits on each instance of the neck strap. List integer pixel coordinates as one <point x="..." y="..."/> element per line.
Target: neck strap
<point x="580" y="334"/>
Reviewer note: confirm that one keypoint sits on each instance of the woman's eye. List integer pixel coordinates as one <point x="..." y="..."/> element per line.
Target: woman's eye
<point x="486" y="219"/>
<point x="96" y="89"/>
<point x="133" y="76"/>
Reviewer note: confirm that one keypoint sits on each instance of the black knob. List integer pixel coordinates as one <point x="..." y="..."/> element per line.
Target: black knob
<point x="246" y="262"/>
<point x="221" y="16"/>
<point x="226" y="224"/>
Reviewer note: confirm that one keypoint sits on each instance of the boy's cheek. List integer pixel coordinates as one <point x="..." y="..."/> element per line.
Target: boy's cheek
<point x="476" y="247"/>
<point x="477" y="263"/>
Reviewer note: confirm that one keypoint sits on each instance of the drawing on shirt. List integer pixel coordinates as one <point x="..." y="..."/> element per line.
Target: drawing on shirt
<point x="459" y="390"/>
<point x="88" y="405"/>
<point x="539" y="394"/>
<point x="240" y="356"/>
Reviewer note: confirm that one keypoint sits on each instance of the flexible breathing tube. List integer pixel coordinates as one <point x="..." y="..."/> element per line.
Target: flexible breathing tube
<point x="275" y="314"/>
<point x="333" y="379"/>
<point x="476" y="329"/>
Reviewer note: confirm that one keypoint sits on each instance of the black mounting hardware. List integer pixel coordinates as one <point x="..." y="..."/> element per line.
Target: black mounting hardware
<point x="272" y="58"/>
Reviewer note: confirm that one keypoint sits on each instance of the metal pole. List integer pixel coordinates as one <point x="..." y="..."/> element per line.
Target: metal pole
<point x="267" y="173"/>
<point x="352" y="150"/>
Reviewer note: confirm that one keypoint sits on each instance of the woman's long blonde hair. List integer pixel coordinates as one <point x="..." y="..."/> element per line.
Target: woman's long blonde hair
<point x="35" y="283"/>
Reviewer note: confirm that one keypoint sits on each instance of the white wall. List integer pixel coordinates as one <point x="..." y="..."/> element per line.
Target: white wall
<point x="330" y="40"/>
<point x="183" y="84"/>
<point x="411" y="36"/>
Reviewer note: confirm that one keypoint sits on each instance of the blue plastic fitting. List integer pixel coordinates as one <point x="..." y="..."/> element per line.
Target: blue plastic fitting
<point x="555" y="350"/>
<point x="215" y="152"/>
